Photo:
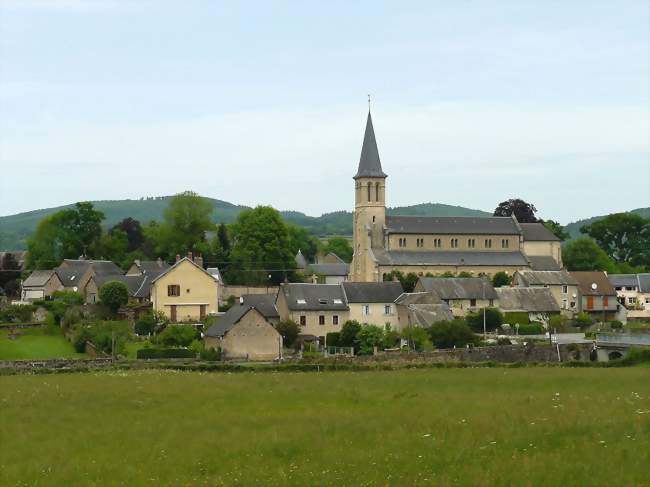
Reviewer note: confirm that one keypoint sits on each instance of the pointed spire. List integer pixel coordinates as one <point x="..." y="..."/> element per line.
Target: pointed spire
<point x="369" y="163"/>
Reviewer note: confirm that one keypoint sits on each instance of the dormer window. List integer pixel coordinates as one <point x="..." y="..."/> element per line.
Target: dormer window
<point x="338" y="301"/>
<point x="301" y="301"/>
<point x="322" y="301"/>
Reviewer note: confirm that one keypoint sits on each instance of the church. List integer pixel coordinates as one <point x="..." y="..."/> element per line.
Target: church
<point x="436" y="245"/>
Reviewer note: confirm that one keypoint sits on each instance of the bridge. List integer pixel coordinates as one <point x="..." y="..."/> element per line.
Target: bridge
<point x="616" y="346"/>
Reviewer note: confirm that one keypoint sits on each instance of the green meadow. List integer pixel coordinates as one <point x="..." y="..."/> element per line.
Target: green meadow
<point x="482" y="426"/>
<point x="35" y="343"/>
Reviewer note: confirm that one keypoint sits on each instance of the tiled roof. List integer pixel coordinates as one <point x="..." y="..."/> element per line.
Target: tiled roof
<point x="369" y="163"/>
<point x="38" y="278"/>
<point x="544" y="278"/>
<point x="453" y="258"/>
<point x="230" y="319"/>
<point x="529" y="299"/>
<point x="543" y="263"/>
<point x="450" y="225"/>
<point x="458" y="287"/>
<point x="330" y="269"/>
<point x="264" y="303"/>
<point x="623" y="280"/>
<point x="537" y="232"/>
<point x="372" y="292"/>
<point x="314" y="297"/>
<point x="586" y="279"/>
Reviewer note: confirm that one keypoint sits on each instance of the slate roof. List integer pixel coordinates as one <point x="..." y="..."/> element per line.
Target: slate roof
<point x="450" y="225"/>
<point x="423" y="297"/>
<point x="71" y="271"/>
<point x="372" y="292"/>
<point x="264" y="303"/>
<point x="38" y="278"/>
<point x="184" y="259"/>
<point x="424" y="315"/>
<point x="537" y="232"/>
<point x="215" y="272"/>
<point x="543" y="263"/>
<point x="312" y="294"/>
<point x="585" y="280"/>
<point x="152" y="268"/>
<point x="135" y="284"/>
<point x="623" y="280"/>
<point x="342" y="269"/>
<point x="369" y="163"/>
<point x="226" y="322"/>
<point x="644" y="282"/>
<point x="458" y="287"/>
<point x="529" y="299"/>
<point x="475" y="258"/>
<point x="547" y="278"/>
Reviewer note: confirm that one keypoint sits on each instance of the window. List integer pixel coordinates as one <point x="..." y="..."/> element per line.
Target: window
<point x="505" y="243"/>
<point x="173" y="290"/>
<point x="321" y="319"/>
<point x="376" y="191"/>
<point x="590" y="302"/>
<point x="335" y="320"/>
<point x="605" y="301"/>
<point x="322" y="301"/>
<point x="472" y="302"/>
<point x="301" y="301"/>
<point x="419" y="242"/>
<point x="369" y="191"/>
<point x="365" y="309"/>
<point x="565" y="289"/>
<point x="631" y="300"/>
<point x="337" y="301"/>
<point x="388" y="309"/>
<point x="373" y="219"/>
<point x="564" y="304"/>
<point x="491" y="302"/>
<point x="187" y="291"/>
<point x="454" y="243"/>
<point x="437" y="243"/>
<point x="471" y="243"/>
<point x="303" y="320"/>
<point x="402" y="242"/>
<point x="488" y="243"/>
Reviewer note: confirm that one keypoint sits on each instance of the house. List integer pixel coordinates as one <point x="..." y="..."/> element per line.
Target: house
<point x="264" y="303"/>
<point x="373" y="302"/>
<point x="461" y="294"/>
<point x="596" y="295"/>
<point x="185" y="291"/>
<point x="244" y="333"/>
<point x="633" y="292"/>
<point x="151" y="268"/>
<point x="75" y="274"/>
<point x="319" y="309"/>
<point x="562" y="284"/>
<point x="538" y="302"/>
<point x="479" y="245"/>
<point x="330" y="269"/>
<point x="40" y="284"/>
<point x="421" y="309"/>
<point x="139" y="286"/>
<point x="216" y="273"/>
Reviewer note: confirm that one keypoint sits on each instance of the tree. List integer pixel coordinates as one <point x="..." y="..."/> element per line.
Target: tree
<point x="114" y="246"/>
<point x="177" y="336"/>
<point x="449" y="334"/>
<point x="584" y="254"/>
<point x="262" y="247"/>
<point x="524" y="212"/>
<point x="339" y="246"/>
<point x="625" y="237"/>
<point x="349" y="331"/>
<point x="185" y="221"/>
<point x="493" y="319"/>
<point x="146" y="324"/>
<point x="113" y="295"/>
<point x="556" y="229"/>
<point x="369" y="337"/>
<point x="417" y="337"/>
<point x="9" y="273"/>
<point x="133" y="231"/>
<point x="408" y="281"/>
<point x="501" y="279"/>
<point x="299" y="239"/>
<point x="289" y="330"/>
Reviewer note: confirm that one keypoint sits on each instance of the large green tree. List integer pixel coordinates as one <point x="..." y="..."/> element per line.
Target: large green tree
<point x="625" y="237"/>
<point x="339" y="246"/>
<point x="300" y="239"/>
<point x="584" y="254"/>
<point x="185" y="221"/>
<point x="262" y="247"/>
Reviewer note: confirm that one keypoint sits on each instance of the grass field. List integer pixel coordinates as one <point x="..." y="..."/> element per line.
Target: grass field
<point x="528" y="426"/>
<point x="34" y="343"/>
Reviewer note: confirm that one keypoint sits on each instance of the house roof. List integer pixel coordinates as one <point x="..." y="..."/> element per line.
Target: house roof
<point x="450" y="258"/>
<point x="342" y="269"/>
<point x="369" y="163"/>
<point x="424" y="315"/>
<point x="264" y="303"/>
<point x="372" y="292"/>
<point x="152" y="267"/>
<point x="458" y="287"/>
<point x="38" y="278"/>
<point x="535" y="232"/>
<point x="644" y="282"/>
<point x="587" y="278"/>
<point x="547" y="278"/>
<point x="184" y="259"/>
<point x="136" y="285"/>
<point x="215" y="272"/>
<point x="543" y="263"/>
<point x="226" y="322"/>
<point x="71" y="271"/>
<point x="301" y="262"/>
<point x="314" y="297"/>
<point x="406" y="299"/>
<point x="450" y="225"/>
<point x="623" y="280"/>
<point x="529" y="299"/>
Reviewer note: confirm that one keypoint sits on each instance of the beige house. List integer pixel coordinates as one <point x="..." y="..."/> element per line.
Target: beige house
<point x="479" y="245"/>
<point x="40" y="284"/>
<point x="244" y="333"/>
<point x="373" y="302"/>
<point x="633" y="292"/>
<point x="185" y="292"/>
<point x="563" y="286"/>
<point x="461" y="294"/>
<point x="596" y="295"/>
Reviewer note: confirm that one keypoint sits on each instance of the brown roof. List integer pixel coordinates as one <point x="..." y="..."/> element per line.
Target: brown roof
<point x="586" y="279"/>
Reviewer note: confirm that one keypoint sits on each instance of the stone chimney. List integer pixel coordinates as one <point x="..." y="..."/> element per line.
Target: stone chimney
<point x="199" y="261"/>
<point x="159" y="262"/>
<point x="178" y="257"/>
<point x="190" y="256"/>
<point x="241" y="300"/>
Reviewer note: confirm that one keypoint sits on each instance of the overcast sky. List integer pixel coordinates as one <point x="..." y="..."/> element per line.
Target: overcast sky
<point x="265" y="102"/>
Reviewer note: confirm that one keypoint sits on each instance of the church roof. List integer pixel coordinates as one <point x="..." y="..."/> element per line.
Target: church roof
<point x="369" y="163"/>
<point x="453" y="258"/>
<point x="537" y="232"/>
<point x="453" y="225"/>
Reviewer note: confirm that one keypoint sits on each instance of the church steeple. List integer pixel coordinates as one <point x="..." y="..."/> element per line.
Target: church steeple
<point x="369" y="163"/>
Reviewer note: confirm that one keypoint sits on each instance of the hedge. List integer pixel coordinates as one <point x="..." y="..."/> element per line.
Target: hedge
<point x="531" y="329"/>
<point x="145" y="353"/>
<point x="513" y="317"/>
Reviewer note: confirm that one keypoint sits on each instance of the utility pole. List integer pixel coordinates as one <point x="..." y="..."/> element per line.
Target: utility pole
<point x="484" y="326"/>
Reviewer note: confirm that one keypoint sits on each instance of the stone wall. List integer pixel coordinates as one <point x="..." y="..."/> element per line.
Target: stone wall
<point x="55" y="363"/>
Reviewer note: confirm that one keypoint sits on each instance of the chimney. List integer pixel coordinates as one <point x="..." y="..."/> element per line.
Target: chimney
<point x="159" y="262"/>
<point x="178" y="257"/>
<point x="199" y="261"/>
<point x="241" y="300"/>
<point x="190" y="256"/>
<point x="137" y="262"/>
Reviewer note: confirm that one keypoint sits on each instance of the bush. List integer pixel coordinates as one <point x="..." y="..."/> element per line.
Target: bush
<point x="501" y="279"/>
<point x="113" y="295"/>
<point x="447" y="334"/>
<point x="51" y="327"/>
<point x="333" y="339"/>
<point x="289" y="330"/>
<point x="392" y="338"/>
<point x="146" y="324"/>
<point x="556" y="321"/>
<point x="616" y="325"/>
<point x="417" y="337"/>
<point x="584" y="320"/>
<point x="369" y="337"/>
<point x="514" y="317"/>
<point x="493" y="319"/>
<point x="177" y="336"/>
<point x="152" y="353"/>
<point x="80" y="338"/>
<point x="637" y="355"/>
<point x="504" y="341"/>
<point x="17" y="313"/>
<point x="349" y="331"/>
<point x="67" y="297"/>
<point x="531" y="329"/>
<point x="211" y="354"/>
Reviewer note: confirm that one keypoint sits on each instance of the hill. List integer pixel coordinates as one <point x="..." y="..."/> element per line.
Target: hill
<point x="574" y="228"/>
<point x="15" y="229"/>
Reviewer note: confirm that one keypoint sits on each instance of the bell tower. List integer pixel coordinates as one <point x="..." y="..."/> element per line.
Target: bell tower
<point x="369" y="209"/>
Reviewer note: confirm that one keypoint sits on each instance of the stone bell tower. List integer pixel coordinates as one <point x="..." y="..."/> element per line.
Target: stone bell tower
<point x="369" y="209"/>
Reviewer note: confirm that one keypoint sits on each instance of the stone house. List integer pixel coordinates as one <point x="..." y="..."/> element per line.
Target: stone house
<point x="264" y="303"/>
<point x="330" y="269"/>
<point x="40" y="284"/>
<point x="373" y="302"/>
<point x="244" y="333"/>
<point x="461" y="294"/>
<point x="185" y="292"/>
<point x="596" y="295"/>
<point x="76" y="273"/>
<point x="421" y="309"/>
<point x="563" y="286"/>
<point x="538" y="302"/>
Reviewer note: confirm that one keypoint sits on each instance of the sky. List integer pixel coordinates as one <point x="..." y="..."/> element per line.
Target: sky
<point x="473" y="102"/>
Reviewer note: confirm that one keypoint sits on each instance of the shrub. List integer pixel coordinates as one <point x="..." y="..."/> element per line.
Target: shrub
<point x="493" y="319"/>
<point x="51" y="327"/>
<point x="391" y="338"/>
<point x="113" y="295"/>
<point x="104" y="333"/>
<point x="616" y="325"/>
<point x="584" y="319"/>
<point x="513" y="317"/>
<point x="17" y="313"/>
<point x="504" y="341"/>
<point x="556" y="321"/>
<point x="501" y="279"/>
<point x="333" y="339"/>
<point x="67" y="297"/>
<point x="369" y="337"/>
<point x="177" y="336"/>
<point x="71" y="317"/>
<point x="531" y="329"/>
<point x="289" y="330"/>
<point x="145" y="325"/>
<point x="447" y="334"/>
<point x="80" y="339"/>
<point x="636" y="355"/>
<point x="211" y="354"/>
<point x="152" y="353"/>
<point x="417" y="337"/>
<point x="349" y="331"/>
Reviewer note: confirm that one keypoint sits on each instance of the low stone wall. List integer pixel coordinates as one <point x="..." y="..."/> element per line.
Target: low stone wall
<point x="56" y="363"/>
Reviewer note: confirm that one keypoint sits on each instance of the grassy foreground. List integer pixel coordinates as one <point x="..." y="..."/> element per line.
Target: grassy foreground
<point x="35" y="343"/>
<point x="528" y="426"/>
